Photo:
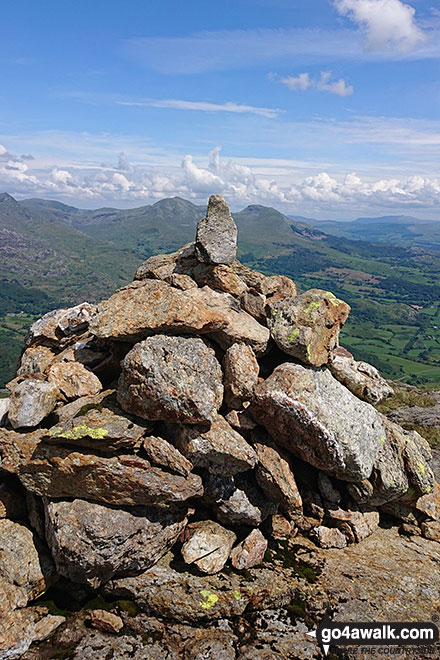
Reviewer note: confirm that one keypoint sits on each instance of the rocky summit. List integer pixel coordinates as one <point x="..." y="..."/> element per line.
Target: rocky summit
<point x="195" y="469"/>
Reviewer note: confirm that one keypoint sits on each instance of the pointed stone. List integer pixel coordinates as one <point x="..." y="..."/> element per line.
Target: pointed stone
<point x="216" y="240"/>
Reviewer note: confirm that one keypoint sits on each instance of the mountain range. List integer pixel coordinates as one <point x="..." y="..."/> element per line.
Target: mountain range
<point x="56" y="255"/>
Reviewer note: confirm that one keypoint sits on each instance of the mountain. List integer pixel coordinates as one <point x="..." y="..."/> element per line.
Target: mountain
<point x="392" y="229"/>
<point x="55" y="255"/>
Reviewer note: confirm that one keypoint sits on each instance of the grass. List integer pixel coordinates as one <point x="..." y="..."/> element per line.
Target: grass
<point x="405" y="398"/>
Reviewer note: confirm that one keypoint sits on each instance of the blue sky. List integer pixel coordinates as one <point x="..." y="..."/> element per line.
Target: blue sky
<point x="324" y="108"/>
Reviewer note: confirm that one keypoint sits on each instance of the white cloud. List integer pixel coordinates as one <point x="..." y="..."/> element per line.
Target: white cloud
<point x="203" y="106"/>
<point x="386" y="23"/>
<point x="280" y="185"/>
<point x="324" y="83"/>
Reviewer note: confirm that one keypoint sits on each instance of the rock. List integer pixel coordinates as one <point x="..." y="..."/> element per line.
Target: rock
<point x="328" y="537"/>
<point x="220" y="277"/>
<point x="410" y="530"/>
<point x="241" y="374"/>
<point x="361" y="378"/>
<point x="57" y="472"/>
<point x="210" y="649"/>
<point x="297" y="406"/>
<point x="250" y="552"/>
<point x="35" y="359"/>
<point x="20" y="628"/>
<point x="25" y="570"/>
<point x="73" y="379"/>
<point x="175" y="379"/>
<point x="280" y="527"/>
<point x="389" y="479"/>
<point x="181" y="281"/>
<point x="91" y="543"/>
<point x="427" y="504"/>
<point x="17" y="448"/>
<point x="207" y="545"/>
<point x="45" y="331"/>
<point x="164" y="266"/>
<point x="106" y="621"/>
<point x="431" y="530"/>
<point x="185" y="596"/>
<point x="216" y="239"/>
<point x="254" y="303"/>
<point x="12" y="504"/>
<point x="328" y="493"/>
<point x="100" y="425"/>
<point x="162" y="453"/>
<point x="4" y="408"/>
<point x="277" y="287"/>
<point x="218" y="448"/>
<point x="361" y="492"/>
<point x="237" y="500"/>
<point x="151" y="306"/>
<point x="275" y="477"/>
<point x="417" y="457"/>
<point x="360" y="525"/>
<point x="240" y="420"/>
<point x="76" y="319"/>
<point x="307" y="326"/>
<point x="401" y="511"/>
<point x="30" y="402"/>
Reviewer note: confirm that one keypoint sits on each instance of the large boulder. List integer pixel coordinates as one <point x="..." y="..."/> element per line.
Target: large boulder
<point x="91" y="543"/>
<point x="218" y="448"/>
<point x="307" y="326"/>
<point x="310" y="413"/>
<point x="216" y="239"/>
<point x="174" y="379"/>
<point x="30" y="402"/>
<point x="361" y="378"/>
<point x="57" y="472"/>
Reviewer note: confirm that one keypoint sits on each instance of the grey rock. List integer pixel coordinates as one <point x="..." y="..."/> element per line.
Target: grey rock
<point x="174" y="379"/>
<point x="76" y="319"/>
<point x="35" y="359"/>
<point x="207" y="545"/>
<point x="216" y="239"/>
<point x="218" y="448"/>
<point x="361" y="378"/>
<point x="45" y="330"/>
<point x="328" y="492"/>
<point x="91" y="543"/>
<point x="238" y="501"/>
<point x="30" y="402"/>
<point x="162" y="453"/>
<point x="4" y="408"/>
<point x="297" y="406"/>
<point x="74" y="379"/>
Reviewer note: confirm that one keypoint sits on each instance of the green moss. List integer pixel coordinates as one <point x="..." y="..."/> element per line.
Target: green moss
<point x="293" y="335"/>
<point x="52" y="607"/>
<point x="209" y="599"/>
<point x="298" y="609"/>
<point x="127" y="606"/>
<point x="78" y="432"/>
<point x="99" y="603"/>
<point x="65" y="654"/>
<point x="89" y="406"/>
<point x="286" y="553"/>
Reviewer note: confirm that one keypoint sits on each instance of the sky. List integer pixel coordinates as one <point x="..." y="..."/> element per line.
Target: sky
<point x="320" y="108"/>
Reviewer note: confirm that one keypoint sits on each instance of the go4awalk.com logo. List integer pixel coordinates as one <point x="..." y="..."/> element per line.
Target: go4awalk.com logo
<point x="338" y="633"/>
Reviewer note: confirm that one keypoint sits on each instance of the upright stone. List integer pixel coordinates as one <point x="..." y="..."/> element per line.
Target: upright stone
<point x="216" y="239"/>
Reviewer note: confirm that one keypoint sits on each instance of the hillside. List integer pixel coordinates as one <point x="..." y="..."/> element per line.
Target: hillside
<point x="55" y="254"/>
<point x="393" y="229"/>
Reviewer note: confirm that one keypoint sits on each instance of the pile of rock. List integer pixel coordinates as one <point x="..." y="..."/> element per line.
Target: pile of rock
<point x="205" y="407"/>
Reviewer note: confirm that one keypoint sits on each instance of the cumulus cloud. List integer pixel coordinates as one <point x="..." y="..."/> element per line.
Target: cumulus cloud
<point x="324" y="83"/>
<point x="124" y="184"/>
<point x="386" y="23"/>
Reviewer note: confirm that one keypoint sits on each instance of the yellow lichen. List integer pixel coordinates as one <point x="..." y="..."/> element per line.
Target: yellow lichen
<point x="421" y="468"/>
<point x="313" y="305"/>
<point x="293" y="335"/>
<point x="78" y="432"/>
<point x="332" y="298"/>
<point x="208" y="599"/>
<point x="236" y="594"/>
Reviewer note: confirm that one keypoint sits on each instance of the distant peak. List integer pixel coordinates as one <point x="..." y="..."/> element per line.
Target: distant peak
<point x="6" y="197"/>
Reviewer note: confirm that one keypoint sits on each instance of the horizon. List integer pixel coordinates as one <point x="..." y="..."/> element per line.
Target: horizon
<point x="328" y="109"/>
<point x="234" y="208"/>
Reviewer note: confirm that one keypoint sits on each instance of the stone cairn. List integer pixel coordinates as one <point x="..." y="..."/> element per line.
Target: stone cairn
<point x="207" y="408"/>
